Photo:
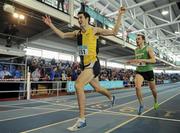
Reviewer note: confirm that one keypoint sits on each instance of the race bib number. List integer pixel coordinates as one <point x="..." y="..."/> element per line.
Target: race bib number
<point x="82" y="50"/>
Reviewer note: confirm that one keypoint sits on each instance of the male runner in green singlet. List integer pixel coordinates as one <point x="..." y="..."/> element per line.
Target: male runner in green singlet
<point x="145" y="59"/>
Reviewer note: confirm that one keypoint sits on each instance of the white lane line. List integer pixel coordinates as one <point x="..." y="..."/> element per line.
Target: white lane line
<point x="24" y="108"/>
<point x="70" y="107"/>
<point x="36" y="101"/>
<point x="75" y="106"/>
<point x="14" y="118"/>
<point x="54" y="124"/>
<point x="49" y="102"/>
<point x="16" y="104"/>
<point x="126" y="122"/>
<point x="66" y="98"/>
<point x="126" y="95"/>
<point x="101" y="111"/>
<point x="137" y="99"/>
<point x="140" y="116"/>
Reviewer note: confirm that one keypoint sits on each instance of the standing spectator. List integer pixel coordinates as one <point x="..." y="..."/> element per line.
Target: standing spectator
<point x="131" y="79"/>
<point x="62" y="4"/>
<point x="64" y="78"/>
<point x="51" y="78"/>
<point x="35" y="76"/>
<point x="74" y="75"/>
<point x="11" y="30"/>
<point x="18" y="75"/>
<point x="128" y="32"/>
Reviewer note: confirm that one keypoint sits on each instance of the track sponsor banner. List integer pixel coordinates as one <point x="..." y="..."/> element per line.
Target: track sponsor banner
<point x="88" y="87"/>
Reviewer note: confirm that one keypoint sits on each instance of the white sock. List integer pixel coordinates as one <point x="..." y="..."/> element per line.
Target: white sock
<point x="82" y="119"/>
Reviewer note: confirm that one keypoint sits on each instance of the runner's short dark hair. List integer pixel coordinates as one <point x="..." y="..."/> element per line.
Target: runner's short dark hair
<point x="86" y="15"/>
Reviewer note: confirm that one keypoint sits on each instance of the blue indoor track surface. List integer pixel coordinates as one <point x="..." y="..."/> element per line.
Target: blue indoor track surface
<point x="56" y="114"/>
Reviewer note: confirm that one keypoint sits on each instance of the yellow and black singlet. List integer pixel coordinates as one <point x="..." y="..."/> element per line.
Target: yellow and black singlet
<point x="87" y="47"/>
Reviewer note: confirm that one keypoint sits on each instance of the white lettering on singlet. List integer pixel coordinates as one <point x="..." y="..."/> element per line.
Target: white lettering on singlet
<point x="141" y="64"/>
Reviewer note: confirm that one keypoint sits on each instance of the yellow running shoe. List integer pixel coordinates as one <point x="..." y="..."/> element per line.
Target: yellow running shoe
<point x="156" y="106"/>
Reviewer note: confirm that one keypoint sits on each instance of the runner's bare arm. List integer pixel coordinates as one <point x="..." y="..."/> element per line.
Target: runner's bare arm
<point x="115" y="30"/>
<point x="47" y="21"/>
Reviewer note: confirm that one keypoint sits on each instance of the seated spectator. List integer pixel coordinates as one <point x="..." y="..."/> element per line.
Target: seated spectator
<point x="5" y="74"/>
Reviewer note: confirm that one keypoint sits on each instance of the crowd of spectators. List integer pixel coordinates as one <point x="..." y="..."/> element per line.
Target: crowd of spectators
<point x="56" y="70"/>
<point x="65" y="70"/>
<point x="12" y="68"/>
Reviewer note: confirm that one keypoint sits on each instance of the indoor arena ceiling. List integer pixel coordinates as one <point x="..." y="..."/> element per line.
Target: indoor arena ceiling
<point x="146" y="16"/>
<point x="162" y="31"/>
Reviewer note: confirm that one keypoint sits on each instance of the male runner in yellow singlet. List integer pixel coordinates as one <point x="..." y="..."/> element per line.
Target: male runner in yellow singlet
<point x="87" y="47"/>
